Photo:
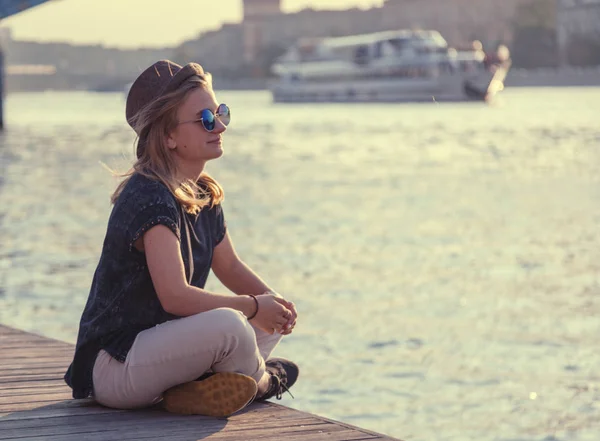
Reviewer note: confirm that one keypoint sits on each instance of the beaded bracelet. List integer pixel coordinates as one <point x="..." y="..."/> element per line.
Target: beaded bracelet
<point x="255" y="301"/>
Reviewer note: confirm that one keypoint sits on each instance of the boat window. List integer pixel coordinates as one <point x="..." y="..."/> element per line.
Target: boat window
<point x="378" y="50"/>
<point x="361" y="54"/>
<point x="399" y="43"/>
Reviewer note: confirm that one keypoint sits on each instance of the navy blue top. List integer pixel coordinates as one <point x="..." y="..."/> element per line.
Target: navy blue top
<point x="122" y="301"/>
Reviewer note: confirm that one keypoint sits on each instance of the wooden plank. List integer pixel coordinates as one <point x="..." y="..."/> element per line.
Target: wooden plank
<point x="56" y="371"/>
<point x="40" y="397"/>
<point x="26" y="338"/>
<point x="25" y="378"/>
<point x="149" y="416"/>
<point x="17" y="356"/>
<point x="116" y="435"/>
<point x="40" y="347"/>
<point x="177" y="431"/>
<point x="153" y="423"/>
<point x="23" y="392"/>
<point x="22" y="385"/>
<point x="144" y="424"/>
<point x="22" y="412"/>
<point x="12" y="344"/>
<point x="33" y="367"/>
<point x="36" y="404"/>
<point x="64" y="408"/>
<point x="34" y="370"/>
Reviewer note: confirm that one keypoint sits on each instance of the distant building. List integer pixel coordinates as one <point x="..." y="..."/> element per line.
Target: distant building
<point x="5" y="35"/>
<point x="248" y="47"/>
<point x="459" y="21"/>
<point x="309" y="23"/>
<point x="219" y="51"/>
<point x="263" y="35"/>
<point x="33" y="65"/>
<point x="255" y="13"/>
<point x="576" y="19"/>
<point x="261" y="8"/>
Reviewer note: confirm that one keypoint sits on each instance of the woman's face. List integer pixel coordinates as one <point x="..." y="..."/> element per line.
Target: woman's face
<point x="189" y="140"/>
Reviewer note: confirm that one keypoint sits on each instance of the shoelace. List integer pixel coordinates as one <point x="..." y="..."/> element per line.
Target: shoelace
<point x="281" y="388"/>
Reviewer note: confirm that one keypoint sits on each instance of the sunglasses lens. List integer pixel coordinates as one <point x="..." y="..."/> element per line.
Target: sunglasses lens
<point x="224" y="114"/>
<point x="208" y="120"/>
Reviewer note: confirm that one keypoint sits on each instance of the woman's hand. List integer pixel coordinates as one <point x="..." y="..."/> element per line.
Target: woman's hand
<point x="289" y="326"/>
<point x="272" y="314"/>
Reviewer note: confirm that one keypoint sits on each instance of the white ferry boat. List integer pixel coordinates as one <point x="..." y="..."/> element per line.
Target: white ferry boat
<point x="387" y="66"/>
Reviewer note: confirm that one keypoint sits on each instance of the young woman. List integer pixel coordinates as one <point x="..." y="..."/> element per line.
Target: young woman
<point x="149" y="330"/>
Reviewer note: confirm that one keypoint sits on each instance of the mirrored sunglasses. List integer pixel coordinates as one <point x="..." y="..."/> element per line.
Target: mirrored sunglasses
<point x="209" y="119"/>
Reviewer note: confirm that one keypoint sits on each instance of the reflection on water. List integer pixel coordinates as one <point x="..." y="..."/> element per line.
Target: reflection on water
<point x="444" y="258"/>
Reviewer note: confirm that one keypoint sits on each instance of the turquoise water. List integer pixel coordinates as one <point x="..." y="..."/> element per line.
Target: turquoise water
<point x="444" y="258"/>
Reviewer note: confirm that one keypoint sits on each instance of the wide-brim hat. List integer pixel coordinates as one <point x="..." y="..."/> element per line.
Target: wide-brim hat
<point x="162" y="77"/>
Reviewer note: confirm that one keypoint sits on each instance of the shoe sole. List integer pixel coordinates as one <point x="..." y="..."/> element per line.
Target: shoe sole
<point x="218" y="396"/>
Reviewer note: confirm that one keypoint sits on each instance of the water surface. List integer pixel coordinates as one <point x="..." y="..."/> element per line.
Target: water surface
<point x="444" y="258"/>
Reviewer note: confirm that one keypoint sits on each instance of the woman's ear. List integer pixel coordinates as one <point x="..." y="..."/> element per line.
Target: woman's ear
<point x="171" y="144"/>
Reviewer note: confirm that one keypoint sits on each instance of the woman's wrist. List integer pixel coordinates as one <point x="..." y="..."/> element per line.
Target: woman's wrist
<point x="253" y="297"/>
<point x="245" y="304"/>
<point x="248" y="304"/>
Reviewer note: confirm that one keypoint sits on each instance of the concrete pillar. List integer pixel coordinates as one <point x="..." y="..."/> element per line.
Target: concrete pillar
<point x="562" y="35"/>
<point x="1" y="88"/>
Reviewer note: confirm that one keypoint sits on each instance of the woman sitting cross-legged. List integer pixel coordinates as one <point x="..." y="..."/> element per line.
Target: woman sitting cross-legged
<point x="150" y="331"/>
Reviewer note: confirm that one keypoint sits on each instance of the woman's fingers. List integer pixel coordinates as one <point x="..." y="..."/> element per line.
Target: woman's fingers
<point x="286" y="320"/>
<point x="288" y="327"/>
<point x="288" y="330"/>
<point x="285" y="313"/>
<point x="292" y="307"/>
<point x="281" y="322"/>
<point x="287" y="305"/>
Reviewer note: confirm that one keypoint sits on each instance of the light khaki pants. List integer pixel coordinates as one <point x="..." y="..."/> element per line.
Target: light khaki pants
<point x="178" y="351"/>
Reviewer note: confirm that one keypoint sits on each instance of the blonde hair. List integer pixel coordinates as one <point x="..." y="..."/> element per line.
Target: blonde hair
<point x="153" y="124"/>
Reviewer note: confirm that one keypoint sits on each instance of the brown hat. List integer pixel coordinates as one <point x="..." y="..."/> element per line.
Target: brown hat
<point x="162" y="77"/>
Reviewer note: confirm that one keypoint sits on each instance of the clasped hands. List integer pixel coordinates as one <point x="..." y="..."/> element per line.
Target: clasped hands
<point x="275" y="314"/>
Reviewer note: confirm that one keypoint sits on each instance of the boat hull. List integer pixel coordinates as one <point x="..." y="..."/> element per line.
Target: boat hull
<point x="456" y="87"/>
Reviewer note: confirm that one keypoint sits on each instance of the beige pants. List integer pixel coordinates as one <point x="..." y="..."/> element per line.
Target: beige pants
<point x="178" y="351"/>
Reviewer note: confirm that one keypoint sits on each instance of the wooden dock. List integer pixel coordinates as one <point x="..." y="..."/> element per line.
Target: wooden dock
<point x="36" y="404"/>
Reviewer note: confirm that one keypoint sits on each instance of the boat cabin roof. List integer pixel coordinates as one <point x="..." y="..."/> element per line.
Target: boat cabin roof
<point x="372" y="38"/>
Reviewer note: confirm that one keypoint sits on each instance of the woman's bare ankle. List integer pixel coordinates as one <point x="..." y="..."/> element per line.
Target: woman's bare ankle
<point x="264" y="384"/>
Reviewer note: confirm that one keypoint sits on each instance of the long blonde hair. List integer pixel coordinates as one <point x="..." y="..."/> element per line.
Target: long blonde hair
<point x="153" y="124"/>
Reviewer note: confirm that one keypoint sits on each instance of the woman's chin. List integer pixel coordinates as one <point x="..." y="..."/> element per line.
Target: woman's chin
<point x="215" y="153"/>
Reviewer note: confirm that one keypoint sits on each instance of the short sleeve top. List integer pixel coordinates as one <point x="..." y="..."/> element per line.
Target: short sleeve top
<point x="122" y="301"/>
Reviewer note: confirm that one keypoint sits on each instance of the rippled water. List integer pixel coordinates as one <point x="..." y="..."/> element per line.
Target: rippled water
<point x="444" y="258"/>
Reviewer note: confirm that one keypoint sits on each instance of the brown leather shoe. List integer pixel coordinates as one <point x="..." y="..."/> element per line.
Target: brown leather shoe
<point x="219" y="395"/>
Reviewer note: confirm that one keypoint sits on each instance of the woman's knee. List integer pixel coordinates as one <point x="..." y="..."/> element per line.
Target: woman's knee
<point x="228" y="321"/>
<point x="239" y="350"/>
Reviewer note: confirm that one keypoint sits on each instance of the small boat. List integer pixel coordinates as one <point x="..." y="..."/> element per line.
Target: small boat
<point x="389" y="66"/>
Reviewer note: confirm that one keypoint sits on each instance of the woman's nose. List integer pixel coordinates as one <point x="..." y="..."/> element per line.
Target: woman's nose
<point x="219" y="126"/>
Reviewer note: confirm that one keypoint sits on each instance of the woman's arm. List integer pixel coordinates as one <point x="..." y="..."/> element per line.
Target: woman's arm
<point x="176" y="296"/>
<point x="167" y="270"/>
<point x="240" y="279"/>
